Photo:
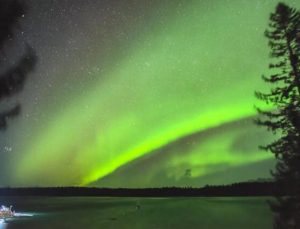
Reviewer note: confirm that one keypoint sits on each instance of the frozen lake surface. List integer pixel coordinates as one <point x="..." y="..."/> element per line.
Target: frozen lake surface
<point x="138" y="213"/>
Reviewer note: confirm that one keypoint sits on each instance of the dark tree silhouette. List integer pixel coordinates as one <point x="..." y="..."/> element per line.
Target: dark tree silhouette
<point x="13" y="78"/>
<point x="284" y="40"/>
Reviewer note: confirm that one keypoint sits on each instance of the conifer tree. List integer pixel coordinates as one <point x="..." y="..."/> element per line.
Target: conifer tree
<point x="12" y="78"/>
<point x="284" y="120"/>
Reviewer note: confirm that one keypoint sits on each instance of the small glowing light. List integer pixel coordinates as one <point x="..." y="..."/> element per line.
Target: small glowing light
<point x="2" y="224"/>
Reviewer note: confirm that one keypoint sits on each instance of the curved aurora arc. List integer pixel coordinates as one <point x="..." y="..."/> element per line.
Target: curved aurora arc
<point x="196" y="72"/>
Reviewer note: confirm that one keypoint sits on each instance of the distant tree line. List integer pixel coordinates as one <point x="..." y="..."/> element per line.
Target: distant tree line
<point x="237" y="189"/>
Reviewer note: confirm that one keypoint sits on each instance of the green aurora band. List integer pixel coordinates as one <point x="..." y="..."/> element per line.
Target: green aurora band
<point x="195" y="69"/>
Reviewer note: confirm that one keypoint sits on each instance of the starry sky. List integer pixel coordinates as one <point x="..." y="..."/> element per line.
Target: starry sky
<point x="140" y="93"/>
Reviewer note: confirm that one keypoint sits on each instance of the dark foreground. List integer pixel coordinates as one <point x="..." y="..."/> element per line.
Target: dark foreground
<point x="139" y="213"/>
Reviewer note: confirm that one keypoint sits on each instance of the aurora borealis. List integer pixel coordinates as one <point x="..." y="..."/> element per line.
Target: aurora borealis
<point x="135" y="93"/>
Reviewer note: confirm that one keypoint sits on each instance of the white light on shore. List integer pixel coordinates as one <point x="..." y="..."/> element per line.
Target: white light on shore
<point x="2" y="224"/>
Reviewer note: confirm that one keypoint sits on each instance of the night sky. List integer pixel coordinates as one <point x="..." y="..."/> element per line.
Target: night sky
<point x="140" y="93"/>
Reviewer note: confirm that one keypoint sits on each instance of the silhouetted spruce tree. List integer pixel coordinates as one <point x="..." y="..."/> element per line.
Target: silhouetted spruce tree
<point x="284" y="40"/>
<point x="13" y="78"/>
